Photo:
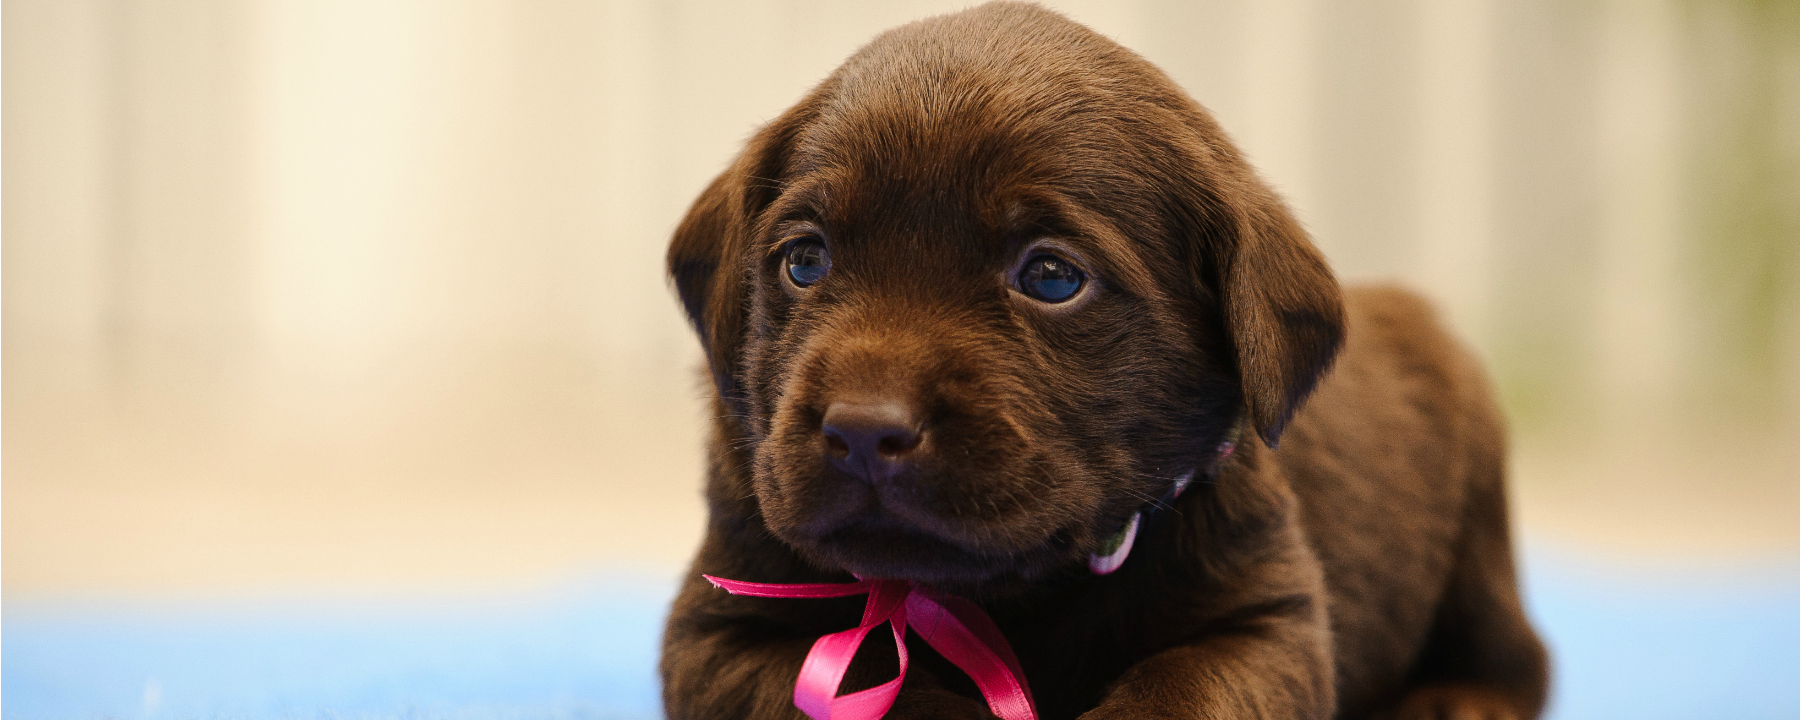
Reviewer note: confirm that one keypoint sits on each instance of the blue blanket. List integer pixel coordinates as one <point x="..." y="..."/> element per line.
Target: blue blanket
<point x="1628" y="644"/>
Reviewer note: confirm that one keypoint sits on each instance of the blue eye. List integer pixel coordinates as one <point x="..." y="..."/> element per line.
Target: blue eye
<point x="1050" y="278"/>
<point x="807" y="261"/>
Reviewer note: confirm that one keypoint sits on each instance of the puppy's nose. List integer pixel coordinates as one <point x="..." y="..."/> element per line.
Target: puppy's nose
<point x="870" y="440"/>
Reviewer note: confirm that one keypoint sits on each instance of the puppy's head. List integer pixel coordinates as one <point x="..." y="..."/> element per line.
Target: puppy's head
<point x="988" y="291"/>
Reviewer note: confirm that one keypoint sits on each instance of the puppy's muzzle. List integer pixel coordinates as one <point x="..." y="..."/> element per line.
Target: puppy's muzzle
<point x="873" y="440"/>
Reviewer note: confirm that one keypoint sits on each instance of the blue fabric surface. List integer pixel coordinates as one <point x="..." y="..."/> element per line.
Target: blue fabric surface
<point x="585" y="652"/>
<point x="1637" y="645"/>
<point x="1654" y="645"/>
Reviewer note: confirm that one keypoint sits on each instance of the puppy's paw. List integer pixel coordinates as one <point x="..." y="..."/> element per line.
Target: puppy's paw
<point x="1456" y="702"/>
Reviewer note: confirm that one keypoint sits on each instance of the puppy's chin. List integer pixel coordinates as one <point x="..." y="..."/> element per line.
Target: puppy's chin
<point x="877" y="545"/>
<point x="897" y="554"/>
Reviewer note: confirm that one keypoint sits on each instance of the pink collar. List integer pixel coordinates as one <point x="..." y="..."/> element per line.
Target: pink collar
<point x="955" y="627"/>
<point x="1113" y="553"/>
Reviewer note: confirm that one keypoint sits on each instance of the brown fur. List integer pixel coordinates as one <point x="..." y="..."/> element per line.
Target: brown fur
<point x="1362" y="570"/>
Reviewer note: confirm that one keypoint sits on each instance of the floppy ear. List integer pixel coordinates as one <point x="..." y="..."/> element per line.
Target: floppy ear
<point x="702" y="262"/>
<point x="706" y="256"/>
<point x="1283" y="310"/>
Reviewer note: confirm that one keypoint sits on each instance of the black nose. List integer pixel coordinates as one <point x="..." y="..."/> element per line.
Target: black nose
<point x="871" y="440"/>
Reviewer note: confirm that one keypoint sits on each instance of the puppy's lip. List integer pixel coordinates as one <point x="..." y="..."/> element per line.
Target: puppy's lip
<point x="886" y="547"/>
<point x="874" y="528"/>
<point x="989" y="538"/>
<point x="889" y="548"/>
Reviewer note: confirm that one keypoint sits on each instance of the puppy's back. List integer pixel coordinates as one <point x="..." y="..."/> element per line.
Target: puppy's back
<point x="1399" y="464"/>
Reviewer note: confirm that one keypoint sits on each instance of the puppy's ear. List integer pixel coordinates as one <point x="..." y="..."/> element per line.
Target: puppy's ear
<point x="1283" y="310"/>
<point x="707" y="255"/>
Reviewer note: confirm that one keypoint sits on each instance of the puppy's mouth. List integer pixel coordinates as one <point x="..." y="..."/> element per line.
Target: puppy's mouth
<point x="876" y="544"/>
<point x="970" y="503"/>
<point x="889" y="533"/>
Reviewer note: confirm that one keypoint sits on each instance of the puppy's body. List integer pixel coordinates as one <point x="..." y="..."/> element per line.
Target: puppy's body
<point x="1398" y="462"/>
<point x="1363" y="568"/>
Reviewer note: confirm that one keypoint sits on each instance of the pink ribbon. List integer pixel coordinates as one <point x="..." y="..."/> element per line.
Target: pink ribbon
<point x="955" y="627"/>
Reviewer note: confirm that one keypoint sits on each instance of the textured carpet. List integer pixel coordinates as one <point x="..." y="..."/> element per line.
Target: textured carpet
<point x="1629" y="644"/>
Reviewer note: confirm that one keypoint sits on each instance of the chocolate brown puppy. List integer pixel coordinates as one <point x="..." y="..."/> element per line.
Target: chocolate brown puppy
<point x="997" y="289"/>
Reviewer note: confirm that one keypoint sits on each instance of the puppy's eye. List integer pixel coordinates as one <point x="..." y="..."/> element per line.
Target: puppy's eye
<point x="807" y="261"/>
<point x="1050" y="278"/>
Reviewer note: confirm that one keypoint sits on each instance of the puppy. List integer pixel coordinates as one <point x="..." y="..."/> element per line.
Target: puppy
<point x="992" y="295"/>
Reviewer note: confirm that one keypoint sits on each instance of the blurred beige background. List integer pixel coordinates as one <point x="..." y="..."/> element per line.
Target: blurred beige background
<point x="319" y="296"/>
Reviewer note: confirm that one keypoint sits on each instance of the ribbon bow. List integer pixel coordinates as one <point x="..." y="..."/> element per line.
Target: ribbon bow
<point x="955" y="627"/>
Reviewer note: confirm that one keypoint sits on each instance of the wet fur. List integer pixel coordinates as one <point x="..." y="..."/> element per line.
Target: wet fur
<point x="1363" y="569"/>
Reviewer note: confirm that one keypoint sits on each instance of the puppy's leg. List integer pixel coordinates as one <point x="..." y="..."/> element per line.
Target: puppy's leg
<point x="1482" y="661"/>
<point x="727" y="670"/>
<point x="1265" y="655"/>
